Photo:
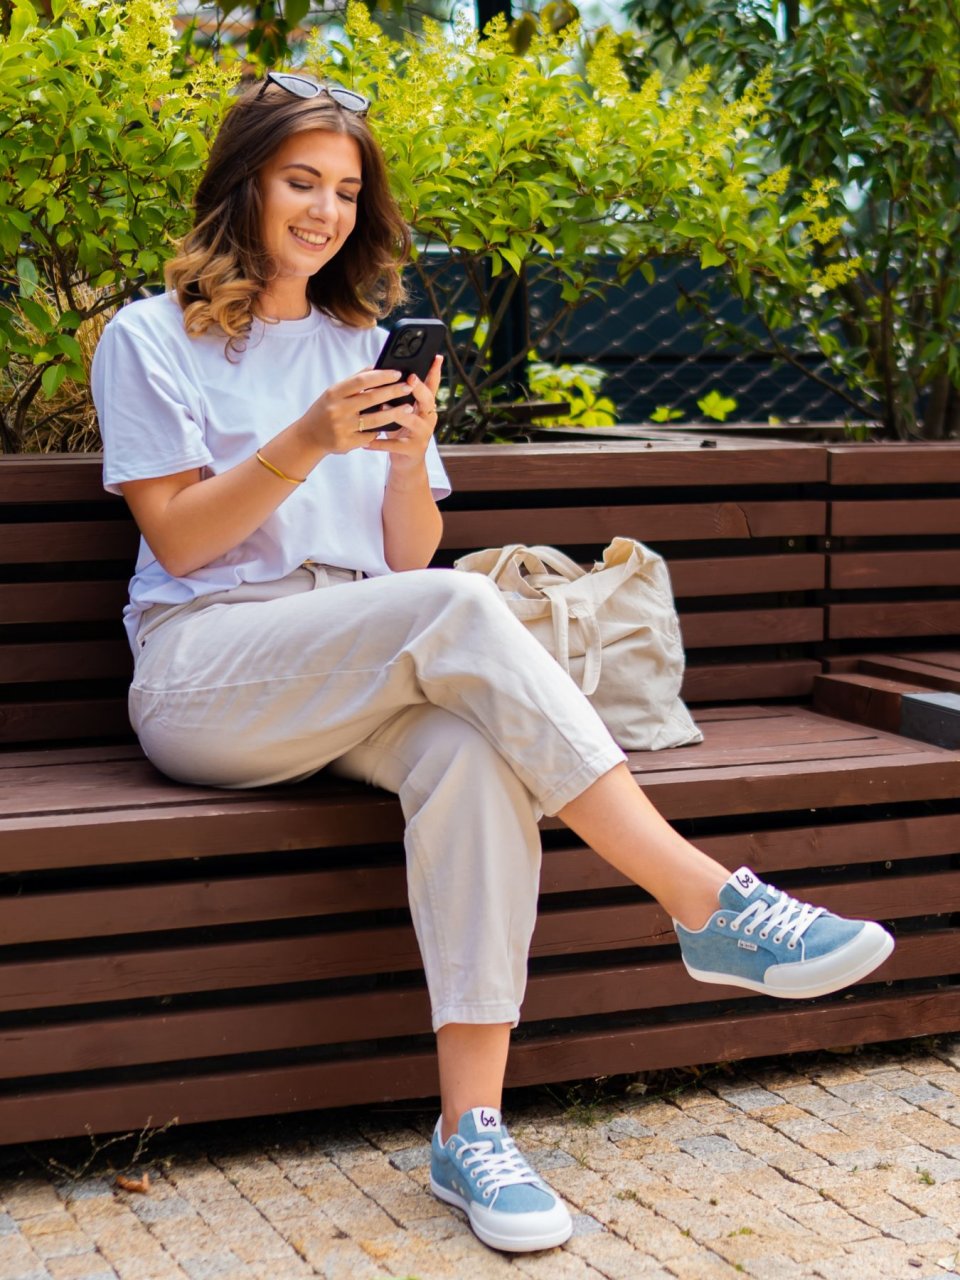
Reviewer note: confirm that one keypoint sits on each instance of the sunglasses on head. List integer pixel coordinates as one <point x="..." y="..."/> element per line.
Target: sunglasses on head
<point x="301" y="87"/>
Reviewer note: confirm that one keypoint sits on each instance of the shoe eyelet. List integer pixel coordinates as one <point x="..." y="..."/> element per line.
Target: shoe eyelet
<point x="764" y="934"/>
<point x="721" y="921"/>
<point x="777" y="939"/>
<point x="487" y="1195"/>
<point x="791" y="946"/>
<point x="734" y="926"/>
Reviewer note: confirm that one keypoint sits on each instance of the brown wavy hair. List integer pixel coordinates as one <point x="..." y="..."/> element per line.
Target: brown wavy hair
<point x="222" y="266"/>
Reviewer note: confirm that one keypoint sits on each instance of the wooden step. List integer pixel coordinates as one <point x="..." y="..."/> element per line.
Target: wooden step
<point x="911" y="710"/>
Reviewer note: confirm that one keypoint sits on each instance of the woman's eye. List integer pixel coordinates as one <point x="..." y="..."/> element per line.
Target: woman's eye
<point x="350" y="199"/>
<point x="300" y="186"/>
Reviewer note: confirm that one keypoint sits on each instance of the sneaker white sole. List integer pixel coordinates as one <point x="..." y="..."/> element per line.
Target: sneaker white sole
<point x="553" y="1227"/>
<point x="808" y="978"/>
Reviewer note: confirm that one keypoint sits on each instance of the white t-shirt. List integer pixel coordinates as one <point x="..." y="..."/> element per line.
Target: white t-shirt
<point x="167" y="402"/>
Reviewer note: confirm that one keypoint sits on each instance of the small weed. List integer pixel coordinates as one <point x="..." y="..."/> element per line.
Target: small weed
<point x="685" y="1231"/>
<point x="822" y="1194"/>
<point x="741" y="1231"/>
<point x="97" y="1162"/>
<point x="628" y="1195"/>
<point x="926" y="1177"/>
<point x="883" y="1165"/>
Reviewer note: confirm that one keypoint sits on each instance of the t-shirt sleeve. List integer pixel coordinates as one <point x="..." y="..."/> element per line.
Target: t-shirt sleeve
<point x="439" y="481"/>
<point x="150" y="416"/>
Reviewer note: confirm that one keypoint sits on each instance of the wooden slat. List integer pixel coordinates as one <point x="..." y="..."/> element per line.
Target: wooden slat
<point x="864" y="699"/>
<point x="920" y="669"/>
<point x="723" y="629"/>
<point x="921" y="568"/>
<point x="63" y="601"/>
<point x="894" y="463"/>
<point x="669" y="523"/>
<point x="747" y="575"/>
<point x="151" y="1038"/>
<point x="876" y="619"/>
<point x="68" y="541"/>
<point x="59" y="721"/>
<point x="75" y="1108"/>
<point x="888" y="517"/>
<point x="67" y="661"/>
<point x="150" y="971"/>
<point x="665" y="462"/>
<point x="789" y="678"/>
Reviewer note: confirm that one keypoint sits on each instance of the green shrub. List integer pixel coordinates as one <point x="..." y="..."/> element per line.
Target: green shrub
<point x="865" y="104"/>
<point x="101" y="142"/>
<point x="521" y="171"/>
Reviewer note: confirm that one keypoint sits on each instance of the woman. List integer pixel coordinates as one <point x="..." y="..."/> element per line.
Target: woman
<point x="283" y="619"/>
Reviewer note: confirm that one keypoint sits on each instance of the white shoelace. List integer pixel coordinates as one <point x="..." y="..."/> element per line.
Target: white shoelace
<point x="786" y="915"/>
<point x="496" y="1169"/>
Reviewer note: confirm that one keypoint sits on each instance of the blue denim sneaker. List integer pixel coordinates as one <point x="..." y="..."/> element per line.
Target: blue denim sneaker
<point x="480" y="1170"/>
<point x="764" y="940"/>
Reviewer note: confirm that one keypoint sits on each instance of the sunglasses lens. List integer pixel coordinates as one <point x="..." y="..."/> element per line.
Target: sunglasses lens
<point x="296" y="85"/>
<point x="347" y="99"/>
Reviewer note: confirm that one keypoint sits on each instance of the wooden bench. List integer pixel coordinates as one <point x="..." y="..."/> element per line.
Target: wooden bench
<point x="182" y="952"/>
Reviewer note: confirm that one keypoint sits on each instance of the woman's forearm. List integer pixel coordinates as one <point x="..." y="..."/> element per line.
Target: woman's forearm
<point x="412" y="523"/>
<point x="188" y="522"/>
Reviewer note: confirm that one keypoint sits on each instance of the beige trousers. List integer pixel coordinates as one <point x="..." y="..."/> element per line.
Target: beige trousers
<point x="421" y="682"/>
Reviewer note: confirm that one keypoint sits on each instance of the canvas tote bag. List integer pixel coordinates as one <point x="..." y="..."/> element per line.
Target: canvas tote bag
<point x="613" y="629"/>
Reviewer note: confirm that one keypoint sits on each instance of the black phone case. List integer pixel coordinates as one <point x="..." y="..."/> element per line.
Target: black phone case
<point x="398" y="352"/>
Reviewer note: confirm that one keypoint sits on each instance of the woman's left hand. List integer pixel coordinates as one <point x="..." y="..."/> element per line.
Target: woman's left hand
<point x="407" y="443"/>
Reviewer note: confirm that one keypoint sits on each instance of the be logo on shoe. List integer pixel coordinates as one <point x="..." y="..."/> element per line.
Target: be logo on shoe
<point x="489" y="1119"/>
<point x="745" y="881"/>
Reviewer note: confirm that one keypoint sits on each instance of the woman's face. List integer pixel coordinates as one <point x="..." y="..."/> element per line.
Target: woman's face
<point x="309" y="191"/>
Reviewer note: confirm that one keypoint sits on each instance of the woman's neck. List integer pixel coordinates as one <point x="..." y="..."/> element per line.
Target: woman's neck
<point x="283" y="304"/>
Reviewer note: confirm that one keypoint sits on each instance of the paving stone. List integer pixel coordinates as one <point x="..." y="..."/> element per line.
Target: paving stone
<point x="719" y="1152"/>
<point x="411" y="1158"/>
<point x="81" y="1266"/>
<point x="917" y="1230"/>
<point x="85" y="1189"/>
<point x="214" y="1266"/>
<point x="750" y="1099"/>
<point x="628" y="1127"/>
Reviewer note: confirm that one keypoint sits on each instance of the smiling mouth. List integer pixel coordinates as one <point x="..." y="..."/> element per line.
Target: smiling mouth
<point x="310" y="237"/>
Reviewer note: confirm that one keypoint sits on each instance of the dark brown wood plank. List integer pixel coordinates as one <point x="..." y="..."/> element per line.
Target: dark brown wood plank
<point x="62" y="601"/>
<point x="54" y="721"/>
<point x="895" y="463"/>
<point x="877" y="619"/>
<point x="661" y="463"/>
<point x="149" y="971"/>
<point x="41" y="1112"/>
<point x="56" y="477"/>
<point x="668" y="523"/>
<point x="923" y="774"/>
<point x="151" y="1038"/>
<point x="790" y="678"/>
<point x="886" y="517"/>
<point x="45" y="663"/>
<point x="556" y="464"/>
<point x="916" y="668"/>
<point x="747" y="575"/>
<point x="751" y="626"/>
<point x="68" y="541"/>
<point x="850" y="570"/>
<point x="864" y="699"/>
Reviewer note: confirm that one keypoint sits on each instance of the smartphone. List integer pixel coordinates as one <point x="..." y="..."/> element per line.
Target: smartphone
<point x="411" y="347"/>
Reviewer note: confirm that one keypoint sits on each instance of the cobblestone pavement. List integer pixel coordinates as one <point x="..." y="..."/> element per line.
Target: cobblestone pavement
<point x="829" y="1166"/>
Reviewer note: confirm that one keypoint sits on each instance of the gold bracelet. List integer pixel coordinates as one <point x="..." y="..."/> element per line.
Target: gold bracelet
<point x="276" y="470"/>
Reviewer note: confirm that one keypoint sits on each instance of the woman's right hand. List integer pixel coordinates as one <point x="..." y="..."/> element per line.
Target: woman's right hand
<point x="336" y="421"/>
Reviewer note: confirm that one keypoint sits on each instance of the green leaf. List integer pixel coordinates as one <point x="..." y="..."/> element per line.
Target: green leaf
<point x="710" y="256"/>
<point x="53" y="376"/>
<point x="27" y="274"/>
